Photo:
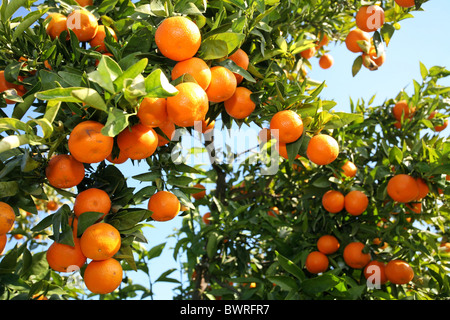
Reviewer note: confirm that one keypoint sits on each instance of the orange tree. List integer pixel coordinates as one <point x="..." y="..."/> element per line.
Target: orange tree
<point x="80" y="72"/>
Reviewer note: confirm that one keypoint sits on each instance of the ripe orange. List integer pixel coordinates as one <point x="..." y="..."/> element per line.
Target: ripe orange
<point x="322" y="149"/>
<point x="371" y="60"/>
<point x="201" y="194"/>
<point x="168" y="128"/>
<point x="52" y="205"/>
<point x="152" y="112"/>
<point x="356" y="202"/>
<point x="355" y="36"/>
<point x="57" y="24"/>
<point x="333" y="201"/>
<point x="240" y="105"/>
<point x="328" y="244"/>
<point x="99" y="38"/>
<point x="440" y="128"/>
<point x="349" y="169"/>
<point x="308" y="53"/>
<point x="415" y="207"/>
<point x="273" y="211"/>
<point x="119" y="159"/>
<point x="103" y="276"/>
<point x="354" y="257"/>
<point x="402" y="188"/>
<point x="178" y="38"/>
<point x="402" y="108"/>
<point x="399" y="272"/>
<point x="164" y="205"/>
<point x="369" y="18"/>
<point x="100" y="241"/>
<point x="326" y="61"/>
<point x="423" y="188"/>
<point x="3" y="240"/>
<point x="222" y="86"/>
<point x="92" y="200"/>
<point x="64" y="171"/>
<point x="240" y="57"/>
<point x="282" y="150"/>
<point x="323" y="40"/>
<point x="375" y="270"/>
<point x="190" y="104"/>
<point x="405" y="3"/>
<point x="7" y="218"/>
<point x="316" y="262"/>
<point x="87" y="144"/>
<point x="286" y="126"/>
<point x="83" y="23"/>
<point x="207" y="218"/>
<point x="85" y="3"/>
<point x="207" y="125"/>
<point x="195" y="67"/>
<point x="65" y="258"/>
<point x="138" y="142"/>
<point x="5" y="85"/>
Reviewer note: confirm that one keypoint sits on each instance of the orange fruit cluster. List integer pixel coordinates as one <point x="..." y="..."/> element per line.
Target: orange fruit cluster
<point x="354" y="202"/>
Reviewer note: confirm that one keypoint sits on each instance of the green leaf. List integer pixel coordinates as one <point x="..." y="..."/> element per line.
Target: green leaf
<point x="284" y="282"/>
<point x="319" y="284"/>
<point x="157" y="85"/>
<point x="357" y="64"/>
<point x="86" y="219"/>
<point x="156" y="251"/>
<point x="90" y="97"/>
<point x="290" y="266"/>
<point x="107" y="72"/>
<point x="131" y="73"/>
<point x="423" y="70"/>
<point x="395" y="155"/>
<point x="116" y="122"/>
<point x="9" y="188"/>
<point x="59" y="94"/>
<point x="11" y="7"/>
<point x="29" y="19"/>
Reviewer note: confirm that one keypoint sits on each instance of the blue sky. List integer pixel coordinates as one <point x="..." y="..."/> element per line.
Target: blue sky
<point x="422" y="38"/>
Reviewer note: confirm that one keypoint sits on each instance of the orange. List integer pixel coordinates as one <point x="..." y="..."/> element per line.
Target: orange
<point x="333" y="201"/>
<point x="356" y="202"/>
<point x="57" y="24"/>
<point x="92" y="200"/>
<point x="439" y="128"/>
<point x="369" y="18"/>
<point x="7" y="218"/>
<point x="423" y="188"/>
<point x="87" y="144"/>
<point x="103" y="276"/>
<point x="308" y="53"/>
<point x="265" y="135"/>
<point x="354" y="37"/>
<point x="52" y="205"/>
<point x="3" y="240"/>
<point x="152" y="112"/>
<point x="83" y="23"/>
<point x="328" y="244"/>
<point x="399" y="272"/>
<point x="240" y="105"/>
<point x="371" y="60"/>
<point x="207" y="125"/>
<point x="222" y="86"/>
<point x="138" y="142"/>
<point x="405" y="3"/>
<point x="273" y="212"/>
<point x="354" y="257"/>
<point x="164" y="205"/>
<point x="282" y="150"/>
<point x="99" y="38"/>
<point x="323" y="40"/>
<point x="375" y="270"/>
<point x="195" y="67"/>
<point x="100" y="241"/>
<point x="316" y="262"/>
<point x="169" y="130"/>
<point x="326" y="61"/>
<point x="286" y="126"/>
<point x="85" y="3"/>
<point x="240" y="57"/>
<point x="207" y="218"/>
<point x="402" y="108"/>
<point x="65" y="258"/>
<point x="5" y="85"/>
<point x="402" y="188"/>
<point x="201" y="194"/>
<point x="190" y="104"/>
<point x="415" y="207"/>
<point x="178" y="38"/>
<point x="119" y="159"/>
<point x="322" y="149"/>
<point x="64" y="171"/>
<point x="349" y="169"/>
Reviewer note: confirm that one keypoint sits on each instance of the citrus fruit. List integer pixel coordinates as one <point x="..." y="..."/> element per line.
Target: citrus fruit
<point x="57" y="24"/>
<point x="164" y="205"/>
<point x="85" y="3"/>
<point x="369" y="18"/>
<point x="178" y="38"/>
<point x="195" y="67"/>
<point x="7" y="217"/>
<point x="64" y="171"/>
<point x="333" y="201"/>
<point x="138" y="142"/>
<point x="99" y="38"/>
<point x="328" y="244"/>
<point x="52" y="205"/>
<point x="356" y="37"/>
<point x="83" y="23"/>
<point x="423" y="188"/>
<point x="286" y="126"/>
<point x="349" y="169"/>
<point x="100" y="241"/>
<point x="88" y="144"/>
<point x="322" y="149"/>
<point x="405" y="3"/>
<point x="200" y="194"/>
<point x="3" y="240"/>
<point x="316" y="262"/>
<point x="241" y="59"/>
<point x="326" y="61"/>
<point x="168" y="128"/>
<point x="92" y="200"/>
<point x="152" y="112"/>
<point x="356" y="202"/>
<point x="372" y="60"/>
<point x="207" y="218"/>
<point x="273" y="211"/>
<point x="65" y="258"/>
<point x="222" y="86"/>
<point x="308" y="53"/>
<point x="354" y="257"/>
<point x="399" y="272"/>
<point x="117" y="159"/>
<point x="190" y="104"/>
<point x="402" y="108"/>
<point x="5" y="85"/>
<point x="240" y="105"/>
<point x="103" y="276"/>
<point x="402" y="188"/>
<point x="374" y="272"/>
